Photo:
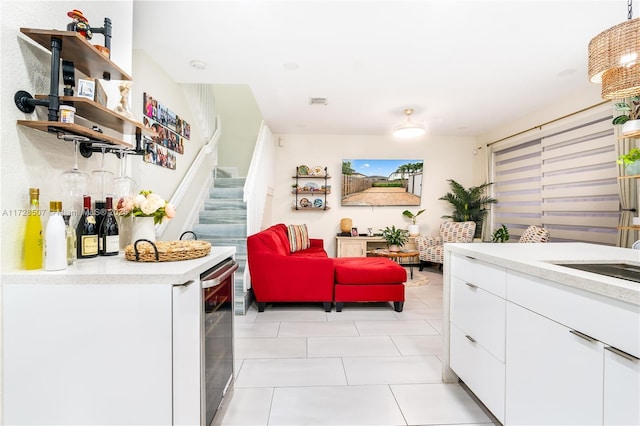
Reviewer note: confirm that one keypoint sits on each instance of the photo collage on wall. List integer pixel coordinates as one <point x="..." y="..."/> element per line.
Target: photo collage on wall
<point x="172" y="131"/>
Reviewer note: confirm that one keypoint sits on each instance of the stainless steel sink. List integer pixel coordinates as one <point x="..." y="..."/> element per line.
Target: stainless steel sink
<point x="620" y="270"/>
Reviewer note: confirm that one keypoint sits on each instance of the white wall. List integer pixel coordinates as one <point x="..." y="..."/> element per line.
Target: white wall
<point x="560" y="108"/>
<point x="444" y="158"/>
<point x="30" y="158"/>
<point x="238" y="110"/>
<point x="149" y="78"/>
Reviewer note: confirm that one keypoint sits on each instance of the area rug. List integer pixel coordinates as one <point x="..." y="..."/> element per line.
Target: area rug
<point x="417" y="280"/>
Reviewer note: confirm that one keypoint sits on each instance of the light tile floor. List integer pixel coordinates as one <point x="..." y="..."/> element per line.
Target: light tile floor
<point x="367" y="365"/>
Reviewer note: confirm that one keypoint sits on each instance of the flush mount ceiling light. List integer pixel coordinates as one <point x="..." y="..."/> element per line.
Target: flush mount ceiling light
<point x="409" y="129"/>
<point x="614" y="57"/>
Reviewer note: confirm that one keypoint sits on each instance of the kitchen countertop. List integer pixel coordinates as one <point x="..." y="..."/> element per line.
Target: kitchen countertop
<point x="118" y="270"/>
<point x="539" y="259"/>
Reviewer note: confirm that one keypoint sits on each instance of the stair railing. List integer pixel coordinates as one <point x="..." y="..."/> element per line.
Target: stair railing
<point x="259" y="184"/>
<point x="199" y="177"/>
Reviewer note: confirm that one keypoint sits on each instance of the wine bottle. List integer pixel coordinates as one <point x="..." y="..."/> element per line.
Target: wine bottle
<point x="33" y="233"/>
<point x="109" y="238"/>
<point x="99" y="212"/>
<point x="70" y="234"/>
<point x="87" y="232"/>
<point x="55" y="239"/>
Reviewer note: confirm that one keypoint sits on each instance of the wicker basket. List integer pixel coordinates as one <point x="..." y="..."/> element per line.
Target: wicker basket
<point x="166" y="251"/>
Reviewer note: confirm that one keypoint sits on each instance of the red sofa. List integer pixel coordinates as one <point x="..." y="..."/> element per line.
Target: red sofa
<point x="309" y="275"/>
<point x="277" y="275"/>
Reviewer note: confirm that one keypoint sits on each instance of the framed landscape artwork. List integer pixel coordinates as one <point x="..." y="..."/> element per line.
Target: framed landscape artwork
<point x="369" y="182"/>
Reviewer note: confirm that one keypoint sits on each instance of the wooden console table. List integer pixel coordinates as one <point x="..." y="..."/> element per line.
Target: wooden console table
<point x="360" y="246"/>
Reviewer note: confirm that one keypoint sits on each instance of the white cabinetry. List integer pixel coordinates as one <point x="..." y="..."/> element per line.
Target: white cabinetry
<point x="477" y="351"/>
<point x="351" y="247"/>
<point x="574" y="352"/>
<point x="538" y="352"/>
<point x="621" y="388"/>
<point x="553" y="375"/>
<point x="73" y="351"/>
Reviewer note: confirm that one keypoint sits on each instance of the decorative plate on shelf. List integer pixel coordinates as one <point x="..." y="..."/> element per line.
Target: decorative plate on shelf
<point x="316" y="171"/>
<point x="304" y="202"/>
<point x="317" y="203"/>
<point x="303" y="170"/>
<point x="311" y="186"/>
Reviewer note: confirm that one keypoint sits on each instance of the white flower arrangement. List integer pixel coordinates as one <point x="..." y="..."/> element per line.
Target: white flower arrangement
<point x="145" y="204"/>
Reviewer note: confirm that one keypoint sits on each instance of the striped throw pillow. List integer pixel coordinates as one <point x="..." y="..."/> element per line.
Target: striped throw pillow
<point x="298" y="238"/>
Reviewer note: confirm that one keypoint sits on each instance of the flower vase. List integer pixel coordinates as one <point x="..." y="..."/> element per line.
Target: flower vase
<point x="125" y="223"/>
<point x="394" y="248"/>
<point x="143" y="229"/>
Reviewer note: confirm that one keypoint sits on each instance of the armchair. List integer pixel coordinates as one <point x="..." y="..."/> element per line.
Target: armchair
<point x="534" y="234"/>
<point x="431" y="249"/>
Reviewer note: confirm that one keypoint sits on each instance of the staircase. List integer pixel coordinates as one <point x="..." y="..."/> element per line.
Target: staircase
<point x="223" y="222"/>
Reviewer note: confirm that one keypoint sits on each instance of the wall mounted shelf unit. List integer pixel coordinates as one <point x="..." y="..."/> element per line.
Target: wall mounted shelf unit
<point x="302" y="202"/>
<point x="73" y="47"/>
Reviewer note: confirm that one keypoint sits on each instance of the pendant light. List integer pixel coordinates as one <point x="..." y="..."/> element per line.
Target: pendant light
<point x="614" y="55"/>
<point x="409" y="129"/>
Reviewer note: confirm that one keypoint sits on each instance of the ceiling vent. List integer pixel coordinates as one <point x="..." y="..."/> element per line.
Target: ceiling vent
<point x="317" y="101"/>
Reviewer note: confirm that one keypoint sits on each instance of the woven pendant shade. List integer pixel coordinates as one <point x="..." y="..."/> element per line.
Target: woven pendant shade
<point x="611" y="48"/>
<point x="621" y="82"/>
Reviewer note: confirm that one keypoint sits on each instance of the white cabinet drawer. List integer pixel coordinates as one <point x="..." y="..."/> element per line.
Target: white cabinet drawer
<point x="621" y="389"/>
<point x="481" y="371"/>
<point x="488" y="277"/>
<point x="611" y="321"/>
<point x="554" y="376"/>
<point x="479" y="314"/>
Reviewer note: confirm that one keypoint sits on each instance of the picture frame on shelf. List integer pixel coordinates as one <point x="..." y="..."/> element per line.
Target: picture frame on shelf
<point x="354" y="232"/>
<point x="86" y="88"/>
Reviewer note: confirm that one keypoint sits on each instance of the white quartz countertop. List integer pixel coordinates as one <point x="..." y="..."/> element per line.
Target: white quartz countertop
<point x="118" y="270"/>
<point x="539" y="260"/>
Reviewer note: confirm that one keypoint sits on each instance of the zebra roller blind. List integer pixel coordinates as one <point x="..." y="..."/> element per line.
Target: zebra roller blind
<point x="562" y="177"/>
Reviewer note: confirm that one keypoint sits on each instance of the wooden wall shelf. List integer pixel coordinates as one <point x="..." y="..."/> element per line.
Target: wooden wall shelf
<point x="77" y="49"/>
<point x="632" y="135"/>
<point x="72" y="128"/>
<point x="94" y="112"/>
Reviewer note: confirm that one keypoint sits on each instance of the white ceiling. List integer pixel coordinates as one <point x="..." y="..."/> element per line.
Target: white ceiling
<point x="464" y="66"/>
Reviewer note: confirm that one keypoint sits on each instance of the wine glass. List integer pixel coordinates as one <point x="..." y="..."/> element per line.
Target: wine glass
<point x="102" y="182"/>
<point x="74" y="185"/>
<point x="123" y="185"/>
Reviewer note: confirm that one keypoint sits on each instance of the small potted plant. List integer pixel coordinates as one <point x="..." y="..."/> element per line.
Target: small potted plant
<point x="414" y="228"/>
<point x="500" y="235"/>
<point x="629" y="115"/>
<point x="395" y="237"/>
<point x="631" y="162"/>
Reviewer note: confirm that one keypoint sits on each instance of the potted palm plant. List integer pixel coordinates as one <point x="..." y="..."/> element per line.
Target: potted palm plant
<point x="395" y="237"/>
<point x="468" y="204"/>
<point x="414" y="228"/>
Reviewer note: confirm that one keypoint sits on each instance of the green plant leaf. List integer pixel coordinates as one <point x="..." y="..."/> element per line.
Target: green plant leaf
<point x="621" y="119"/>
<point x="622" y="106"/>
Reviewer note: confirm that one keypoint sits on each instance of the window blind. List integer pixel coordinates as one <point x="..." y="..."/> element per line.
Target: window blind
<point x="563" y="177"/>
